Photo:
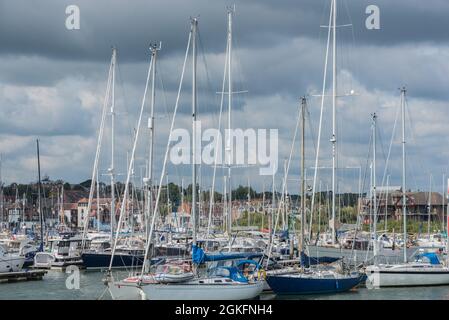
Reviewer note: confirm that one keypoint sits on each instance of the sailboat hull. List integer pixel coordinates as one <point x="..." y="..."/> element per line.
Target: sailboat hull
<point x="303" y="284"/>
<point x="398" y="276"/>
<point x="202" y="292"/>
<point x="98" y="261"/>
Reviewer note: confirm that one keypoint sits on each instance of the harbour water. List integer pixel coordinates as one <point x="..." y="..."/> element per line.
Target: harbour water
<point x="53" y="287"/>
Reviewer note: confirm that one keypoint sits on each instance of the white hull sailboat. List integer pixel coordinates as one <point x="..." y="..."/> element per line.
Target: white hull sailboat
<point x="406" y="275"/>
<point x="215" y="288"/>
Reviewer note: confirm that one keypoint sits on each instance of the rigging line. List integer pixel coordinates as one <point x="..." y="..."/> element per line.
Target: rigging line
<point x="209" y="86"/>
<point x="411" y="167"/>
<point x="285" y="180"/>
<point x="156" y="210"/>
<point x="125" y="100"/>
<point x="311" y="129"/>
<point x="167" y="114"/>
<point x="211" y="198"/>
<point x="236" y="58"/>
<point x="98" y="149"/>
<point x="203" y="56"/>
<point x="413" y="142"/>
<point x="381" y="142"/>
<point x="325" y="8"/>
<point x="321" y="118"/>
<point x="389" y="148"/>
<point x="131" y="164"/>
<point x="368" y="156"/>
<point x="352" y="33"/>
<point x="413" y="139"/>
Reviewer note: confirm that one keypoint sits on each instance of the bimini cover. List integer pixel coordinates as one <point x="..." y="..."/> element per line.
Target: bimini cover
<point x="431" y="256"/>
<point x="199" y="256"/>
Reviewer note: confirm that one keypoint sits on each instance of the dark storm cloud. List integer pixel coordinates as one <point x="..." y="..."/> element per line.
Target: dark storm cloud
<point x="53" y="80"/>
<point x="39" y="27"/>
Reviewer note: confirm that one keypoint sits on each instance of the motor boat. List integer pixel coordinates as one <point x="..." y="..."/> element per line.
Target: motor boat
<point x="10" y="262"/>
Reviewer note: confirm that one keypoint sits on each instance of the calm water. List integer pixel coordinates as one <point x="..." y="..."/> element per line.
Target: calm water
<point x="53" y="287"/>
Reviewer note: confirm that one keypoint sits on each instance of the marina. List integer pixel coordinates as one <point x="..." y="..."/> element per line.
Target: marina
<point x="196" y="188"/>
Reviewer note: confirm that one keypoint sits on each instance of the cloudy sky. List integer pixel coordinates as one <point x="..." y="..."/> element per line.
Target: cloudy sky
<point x="53" y="81"/>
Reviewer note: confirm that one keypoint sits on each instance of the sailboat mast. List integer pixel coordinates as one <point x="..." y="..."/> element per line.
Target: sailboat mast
<point x="303" y="180"/>
<point x="249" y="202"/>
<point x="374" y="186"/>
<point x="442" y="202"/>
<point x="447" y="223"/>
<point x="1" y="191"/>
<point x="225" y="207"/>
<point x="273" y="207"/>
<point x="404" y="199"/>
<point x="334" y="98"/>
<point x="98" y="203"/>
<point x="228" y="147"/>
<point x="386" y="203"/>
<point x="111" y="169"/>
<point x="194" y="158"/>
<point x="23" y="212"/>
<point x="429" y="209"/>
<point x="149" y="181"/>
<point x="39" y="185"/>
<point x="263" y="204"/>
<point x="62" y="204"/>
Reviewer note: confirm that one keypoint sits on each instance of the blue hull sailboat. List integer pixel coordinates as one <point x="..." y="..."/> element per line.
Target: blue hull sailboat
<point x="313" y="283"/>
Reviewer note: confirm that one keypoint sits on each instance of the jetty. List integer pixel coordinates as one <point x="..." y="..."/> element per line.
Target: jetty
<point x="23" y="275"/>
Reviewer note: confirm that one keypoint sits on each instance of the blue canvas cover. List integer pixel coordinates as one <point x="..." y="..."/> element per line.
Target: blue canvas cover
<point x="431" y="256"/>
<point x="199" y="256"/>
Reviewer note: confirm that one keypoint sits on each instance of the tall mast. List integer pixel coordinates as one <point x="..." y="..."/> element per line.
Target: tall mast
<point x="273" y="207"/>
<point x="442" y="202"/>
<point x="249" y="202"/>
<point x="386" y="203"/>
<point x="194" y="165"/>
<point x="169" y="213"/>
<point x="374" y="186"/>
<point x="226" y="219"/>
<point x="16" y="203"/>
<point x="149" y="182"/>
<point x="303" y="180"/>
<point x="334" y="98"/>
<point x="111" y="169"/>
<point x="228" y="146"/>
<point x="182" y="195"/>
<point x="429" y="204"/>
<point x="23" y="212"/>
<point x="404" y="199"/>
<point x="39" y="185"/>
<point x="62" y="204"/>
<point x="263" y="203"/>
<point x="447" y="223"/>
<point x="98" y="204"/>
<point x="1" y="191"/>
